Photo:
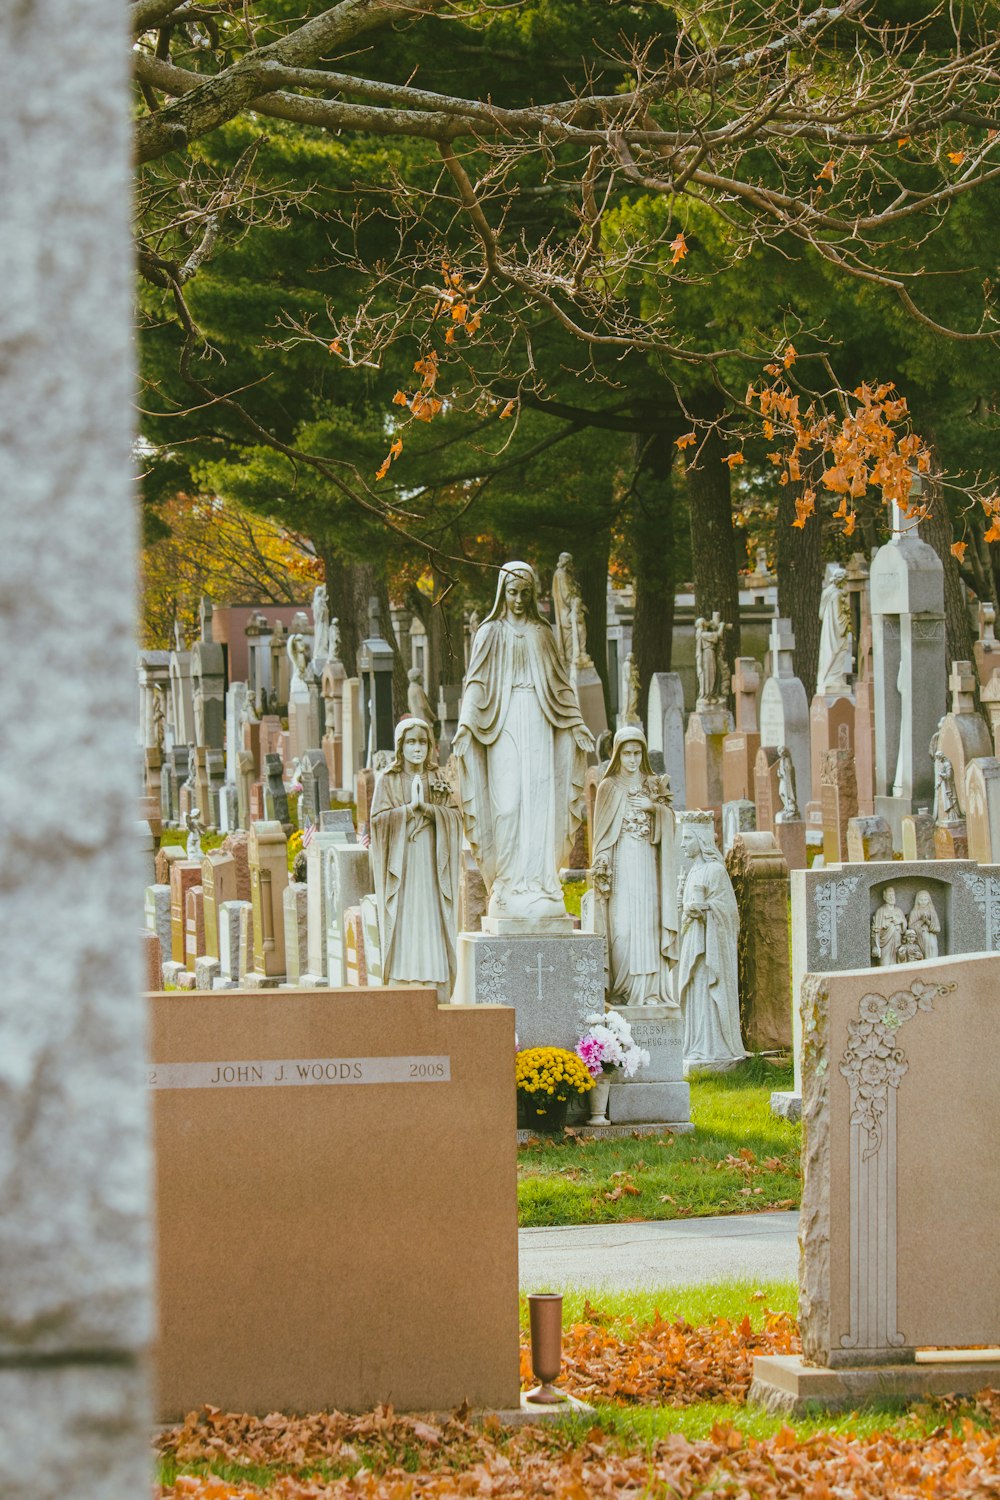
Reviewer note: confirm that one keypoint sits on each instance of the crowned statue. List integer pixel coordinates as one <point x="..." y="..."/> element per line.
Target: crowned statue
<point x="521" y="747"/>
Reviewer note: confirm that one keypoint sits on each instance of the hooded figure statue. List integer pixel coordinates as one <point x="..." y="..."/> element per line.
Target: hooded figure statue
<point x="707" y="981"/>
<point x="635" y="875"/>
<point x="521" y="747"/>
<point x="416" y="857"/>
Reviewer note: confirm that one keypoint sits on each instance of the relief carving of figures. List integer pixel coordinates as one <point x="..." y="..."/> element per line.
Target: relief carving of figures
<point x="635" y="875"/>
<point x="888" y="927"/>
<point x="835" y="633"/>
<point x="521" y="747"/>
<point x="786" y="787"/>
<point x="568" y="611"/>
<point x="926" y="924"/>
<point x="416" y="854"/>
<point x="707" y="969"/>
<point x="710" y="661"/>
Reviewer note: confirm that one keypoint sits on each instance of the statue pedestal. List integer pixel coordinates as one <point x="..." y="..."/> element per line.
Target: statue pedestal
<point x="658" y="1094"/>
<point x="554" y="982"/>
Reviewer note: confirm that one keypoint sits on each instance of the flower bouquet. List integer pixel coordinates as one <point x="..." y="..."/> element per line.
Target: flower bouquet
<point x="607" y="1049"/>
<point x="546" y="1079"/>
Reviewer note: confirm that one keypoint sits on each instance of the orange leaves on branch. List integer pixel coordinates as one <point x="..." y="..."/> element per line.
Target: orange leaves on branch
<point x="956" y="157"/>
<point x="872" y="445"/>
<point x="507" y="411"/>
<point x="958" y="550"/>
<point x="687" y="440"/>
<point x="826" y="172"/>
<point x="679" y="246"/>
<point x="734" y="460"/>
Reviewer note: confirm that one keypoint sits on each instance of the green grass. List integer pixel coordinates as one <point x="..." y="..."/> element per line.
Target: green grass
<point x="209" y="841"/>
<point x="698" y="1304"/>
<point x="661" y="1176"/>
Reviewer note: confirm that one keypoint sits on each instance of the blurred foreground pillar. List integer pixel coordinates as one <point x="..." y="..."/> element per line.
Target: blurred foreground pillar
<point x="74" y="1168"/>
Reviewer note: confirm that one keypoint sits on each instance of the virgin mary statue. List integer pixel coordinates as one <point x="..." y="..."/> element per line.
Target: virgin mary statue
<point x="416" y="852"/>
<point x="635" y="875"/>
<point x="521" y="747"/>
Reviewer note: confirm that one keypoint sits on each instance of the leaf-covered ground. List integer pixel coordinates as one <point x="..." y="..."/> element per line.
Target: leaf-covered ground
<point x="740" y="1158"/>
<point x="669" y="1421"/>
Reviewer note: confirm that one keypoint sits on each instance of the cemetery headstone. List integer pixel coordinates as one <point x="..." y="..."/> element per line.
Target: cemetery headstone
<point x="665" y="729"/>
<point x="907" y="600"/>
<point x="268" y="879"/>
<point x="962" y="735"/>
<point x="986" y="649"/>
<point x="295" y="923"/>
<point x="739" y="749"/>
<point x="760" y="876"/>
<point x="918" y="835"/>
<point x="839" y="801"/>
<point x="784" y="709"/>
<point x="868" y="839"/>
<point x="218" y="882"/>
<point x="982" y="800"/>
<point x="659" y="1093"/>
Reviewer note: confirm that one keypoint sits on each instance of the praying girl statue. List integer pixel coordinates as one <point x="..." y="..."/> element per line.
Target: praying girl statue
<point x="635" y="875"/>
<point x="707" y="973"/>
<point x="521" y="747"/>
<point x="416" y="856"/>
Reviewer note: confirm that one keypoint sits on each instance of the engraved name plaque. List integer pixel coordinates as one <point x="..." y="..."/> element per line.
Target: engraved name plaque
<point x="298" y="1072"/>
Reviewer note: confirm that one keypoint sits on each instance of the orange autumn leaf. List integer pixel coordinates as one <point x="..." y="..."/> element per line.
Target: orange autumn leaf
<point x="508" y="409"/>
<point x="686" y="440"/>
<point x="335" y="347"/>
<point x="789" y="357"/>
<point x="383" y="468"/>
<point x="956" y="157"/>
<point x="396" y="447"/>
<point x="904" y="140"/>
<point x="826" y="175"/>
<point x="734" y="460"/>
<point x="679" y="246"/>
<point x="850" y="523"/>
<point x="958" y="550"/>
<point x="993" y="535"/>
<point x="400" y="399"/>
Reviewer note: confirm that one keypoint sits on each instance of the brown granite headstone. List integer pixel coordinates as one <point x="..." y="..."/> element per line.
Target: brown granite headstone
<point x="839" y="800"/>
<point x="166" y="857"/>
<point x="194" y="925"/>
<point x="766" y="796"/>
<point x="152" y="961"/>
<point x="951" y="840"/>
<point x="218" y="881"/>
<point x="237" y="844"/>
<point x="759" y="872"/>
<point x="184" y="874"/>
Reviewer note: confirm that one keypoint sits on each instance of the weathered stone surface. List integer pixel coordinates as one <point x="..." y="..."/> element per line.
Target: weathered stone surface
<point x="206" y="971"/>
<point x="347" y="876"/>
<point x="759" y="872"/>
<point x="152" y="961"/>
<point x="982" y="801"/>
<point x="75" y="1247"/>
<point x="838" y="800"/>
<point x="918" y="835"/>
<point x="660" y="1030"/>
<point x="639" y="1103"/>
<point x="706" y="732"/>
<point x="158" y="915"/>
<point x="868" y="839"/>
<point x="96" y="1433"/>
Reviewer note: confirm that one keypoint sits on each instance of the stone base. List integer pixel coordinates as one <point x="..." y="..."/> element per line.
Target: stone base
<point x="791" y="836"/>
<point x="553" y="983"/>
<point x="255" y="981"/>
<point x="782" y="1383"/>
<point x="225" y="984"/>
<point x="526" y="926"/>
<point x="638" y="1103"/>
<point x="788" y="1106"/>
<point x="712" y="1065"/>
<point x="206" y="971"/>
<point x="312" y="982"/>
<point x="171" y="971"/>
<point x="640" y="1131"/>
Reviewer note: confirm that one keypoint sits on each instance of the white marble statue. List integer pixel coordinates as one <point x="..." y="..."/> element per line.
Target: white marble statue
<point x="786" y="786"/>
<point x="631" y="713"/>
<point x="710" y="661"/>
<point x="159" y="724"/>
<point x="568" y="611"/>
<point x="946" y="808"/>
<point x="909" y="950"/>
<point x="298" y="655"/>
<point x="195" y="828"/>
<point x="417" y="700"/>
<point x="635" y="875"/>
<point x="521" y="747"/>
<point x="321" y="624"/>
<point x="833" y="675"/>
<point x="707" y="981"/>
<point x="416" y="858"/>
<point x="926" y="924"/>
<point x="888" y="927"/>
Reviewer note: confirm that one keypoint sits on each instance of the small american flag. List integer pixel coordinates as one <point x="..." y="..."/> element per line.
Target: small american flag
<point x="364" y="836"/>
<point x="308" y="829"/>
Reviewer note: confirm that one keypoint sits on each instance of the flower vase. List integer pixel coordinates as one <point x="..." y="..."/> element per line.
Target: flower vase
<point x="599" y="1096"/>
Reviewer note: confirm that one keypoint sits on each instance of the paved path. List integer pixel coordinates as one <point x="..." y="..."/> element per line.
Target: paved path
<point x="674" y="1252"/>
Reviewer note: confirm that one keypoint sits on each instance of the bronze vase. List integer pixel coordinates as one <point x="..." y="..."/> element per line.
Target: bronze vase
<point x="545" y="1314"/>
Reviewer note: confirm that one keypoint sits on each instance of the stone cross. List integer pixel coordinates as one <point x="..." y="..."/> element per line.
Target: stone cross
<point x="781" y="645"/>
<point x="746" y="683"/>
<point x="962" y="683"/>
<point x="536" y="968"/>
<point x="987" y="620"/>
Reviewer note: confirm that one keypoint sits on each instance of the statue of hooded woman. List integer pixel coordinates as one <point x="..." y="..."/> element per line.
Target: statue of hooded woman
<point x="635" y="875"/>
<point x="707" y="972"/>
<point x="416" y="858"/>
<point x="521" y="747"/>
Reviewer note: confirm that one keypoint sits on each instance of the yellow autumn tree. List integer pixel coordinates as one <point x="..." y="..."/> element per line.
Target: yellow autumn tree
<point x="215" y="547"/>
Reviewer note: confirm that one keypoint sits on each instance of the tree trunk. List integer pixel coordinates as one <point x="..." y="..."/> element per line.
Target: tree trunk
<point x="936" y="530"/>
<point x="591" y="562"/>
<point x="713" y="545"/>
<point x="799" y="565"/>
<point x="351" y="586"/>
<point x="653" y="555"/>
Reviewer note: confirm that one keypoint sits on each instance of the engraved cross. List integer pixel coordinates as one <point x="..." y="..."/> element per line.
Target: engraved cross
<point x="536" y="968"/>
